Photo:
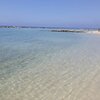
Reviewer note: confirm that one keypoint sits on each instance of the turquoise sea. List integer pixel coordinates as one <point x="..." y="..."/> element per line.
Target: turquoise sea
<point x="37" y="64"/>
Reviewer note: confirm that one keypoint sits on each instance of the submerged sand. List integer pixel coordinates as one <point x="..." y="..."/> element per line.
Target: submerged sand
<point x="66" y="74"/>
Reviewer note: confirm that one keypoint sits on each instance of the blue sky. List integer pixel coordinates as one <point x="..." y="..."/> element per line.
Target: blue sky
<point x="61" y="13"/>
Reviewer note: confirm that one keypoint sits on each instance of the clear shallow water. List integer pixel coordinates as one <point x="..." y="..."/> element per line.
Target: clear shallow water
<point x="42" y="65"/>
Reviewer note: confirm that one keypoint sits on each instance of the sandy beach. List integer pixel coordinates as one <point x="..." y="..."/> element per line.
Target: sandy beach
<point x="94" y="32"/>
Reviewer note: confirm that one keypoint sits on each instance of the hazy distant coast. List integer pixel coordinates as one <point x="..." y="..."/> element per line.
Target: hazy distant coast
<point x="32" y="27"/>
<point x="19" y="27"/>
<point x="59" y="29"/>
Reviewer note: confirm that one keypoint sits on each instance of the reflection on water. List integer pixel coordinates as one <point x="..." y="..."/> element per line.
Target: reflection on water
<point x="43" y="65"/>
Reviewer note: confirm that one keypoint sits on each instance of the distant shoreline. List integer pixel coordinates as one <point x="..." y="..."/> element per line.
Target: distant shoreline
<point x="32" y="27"/>
<point x="19" y="27"/>
<point x="59" y="29"/>
<point x="48" y="27"/>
